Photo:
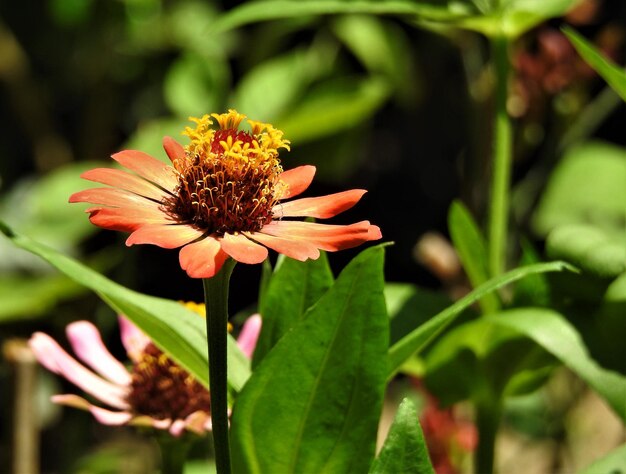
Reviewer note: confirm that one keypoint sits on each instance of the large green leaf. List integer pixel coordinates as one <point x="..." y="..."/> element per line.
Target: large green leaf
<point x="552" y="332"/>
<point x="612" y="74"/>
<point x="313" y="403"/>
<point x="419" y="338"/>
<point x="472" y="249"/>
<point x="587" y="187"/>
<point x="292" y="289"/>
<point x="404" y="450"/>
<point x="589" y="248"/>
<point x="175" y="329"/>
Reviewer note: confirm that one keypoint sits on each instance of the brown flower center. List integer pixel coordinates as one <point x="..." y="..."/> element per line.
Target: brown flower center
<point x="161" y="389"/>
<point x="229" y="186"/>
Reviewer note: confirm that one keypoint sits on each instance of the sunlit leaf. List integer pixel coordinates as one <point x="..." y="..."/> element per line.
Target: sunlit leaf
<point x="322" y="385"/>
<point x="610" y="72"/>
<point x="176" y="330"/>
<point x="552" y="332"/>
<point x="614" y="463"/>
<point x="589" y="248"/>
<point x="419" y="338"/>
<point x="404" y="449"/>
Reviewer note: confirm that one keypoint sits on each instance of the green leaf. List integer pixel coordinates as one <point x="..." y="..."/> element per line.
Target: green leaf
<point x="472" y="249"/>
<point x="313" y="403"/>
<point x="418" y="339"/>
<point x="173" y="328"/>
<point x="334" y="107"/>
<point x="292" y="289"/>
<point x="610" y="72"/>
<point x="552" y="332"/>
<point x="587" y="187"/>
<point x="274" y="10"/>
<point x="612" y="463"/>
<point x="588" y="248"/>
<point x="404" y="450"/>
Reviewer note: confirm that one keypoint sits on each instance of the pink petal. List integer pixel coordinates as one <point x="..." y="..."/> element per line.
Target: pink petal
<point x="133" y="339"/>
<point x="296" y="249"/>
<point x="174" y="150"/>
<point x="88" y="346"/>
<point x="54" y="358"/>
<point x="202" y="259"/>
<point x="148" y="167"/>
<point x="198" y="422"/>
<point x="123" y="180"/>
<point x="177" y="428"/>
<point x="102" y="415"/>
<point x="126" y="220"/>
<point x="165" y="236"/>
<point x="113" y="197"/>
<point x="326" y="237"/>
<point x="243" y="249"/>
<point x="321" y="207"/>
<point x="249" y="335"/>
<point x="297" y="180"/>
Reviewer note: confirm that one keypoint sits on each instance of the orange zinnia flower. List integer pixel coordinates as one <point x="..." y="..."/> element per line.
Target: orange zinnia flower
<point x="222" y="197"/>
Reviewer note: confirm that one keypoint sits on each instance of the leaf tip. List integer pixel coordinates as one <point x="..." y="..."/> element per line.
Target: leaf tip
<point x="6" y="230"/>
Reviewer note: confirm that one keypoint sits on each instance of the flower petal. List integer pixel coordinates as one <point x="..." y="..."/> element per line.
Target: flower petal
<point x="104" y="416"/>
<point x="113" y="197"/>
<point x="88" y="346"/>
<point x="174" y="150"/>
<point x="177" y="428"/>
<point x="249" y="335"/>
<point x="326" y="237"/>
<point x="202" y="259"/>
<point x="133" y="339"/>
<point x="321" y="207"/>
<point x="292" y="248"/>
<point x="123" y="180"/>
<point x="243" y="249"/>
<point x="54" y="358"/>
<point x="297" y="180"/>
<point x="198" y="422"/>
<point x="165" y="236"/>
<point x="148" y="168"/>
<point x="126" y="219"/>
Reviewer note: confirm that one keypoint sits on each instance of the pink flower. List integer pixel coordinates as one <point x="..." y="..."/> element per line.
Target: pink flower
<point x="224" y="196"/>
<point x="154" y="392"/>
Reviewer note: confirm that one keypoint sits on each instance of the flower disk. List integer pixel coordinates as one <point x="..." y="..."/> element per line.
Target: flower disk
<point x="161" y="389"/>
<point x="228" y="179"/>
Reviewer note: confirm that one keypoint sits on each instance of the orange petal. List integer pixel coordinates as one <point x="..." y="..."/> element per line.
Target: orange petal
<point x="123" y="180"/>
<point x="321" y="207"/>
<point x="296" y="249"/>
<point x="125" y="220"/>
<point x="148" y="167"/>
<point x="113" y="197"/>
<point x="243" y="249"/>
<point x="174" y="150"/>
<point x="323" y="236"/>
<point x="202" y="259"/>
<point x="297" y="180"/>
<point x="165" y="236"/>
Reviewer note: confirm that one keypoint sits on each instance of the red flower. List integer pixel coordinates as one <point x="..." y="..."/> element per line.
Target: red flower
<point x="222" y="197"/>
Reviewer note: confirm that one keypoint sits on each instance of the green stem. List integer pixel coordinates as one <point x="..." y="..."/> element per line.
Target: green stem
<point x="173" y="453"/>
<point x="502" y="160"/>
<point x="216" y="300"/>
<point x="487" y="423"/>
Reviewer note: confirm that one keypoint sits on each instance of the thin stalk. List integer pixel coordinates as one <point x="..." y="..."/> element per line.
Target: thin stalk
<point x="173" y="454"/>
<point x="502" y="161"/>
<point x="487" y="422"/>
<point x="216" y="300"/>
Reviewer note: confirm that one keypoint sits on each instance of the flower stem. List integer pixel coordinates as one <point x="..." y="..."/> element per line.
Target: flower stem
<point x="502" y="160"/>
<point x="173" y="453"/>
<point x="216" y="300"/>
<point x="487" y="422"/>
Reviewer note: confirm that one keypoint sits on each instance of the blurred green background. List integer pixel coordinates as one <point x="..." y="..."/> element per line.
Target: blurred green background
<point x="373" y="102"/>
